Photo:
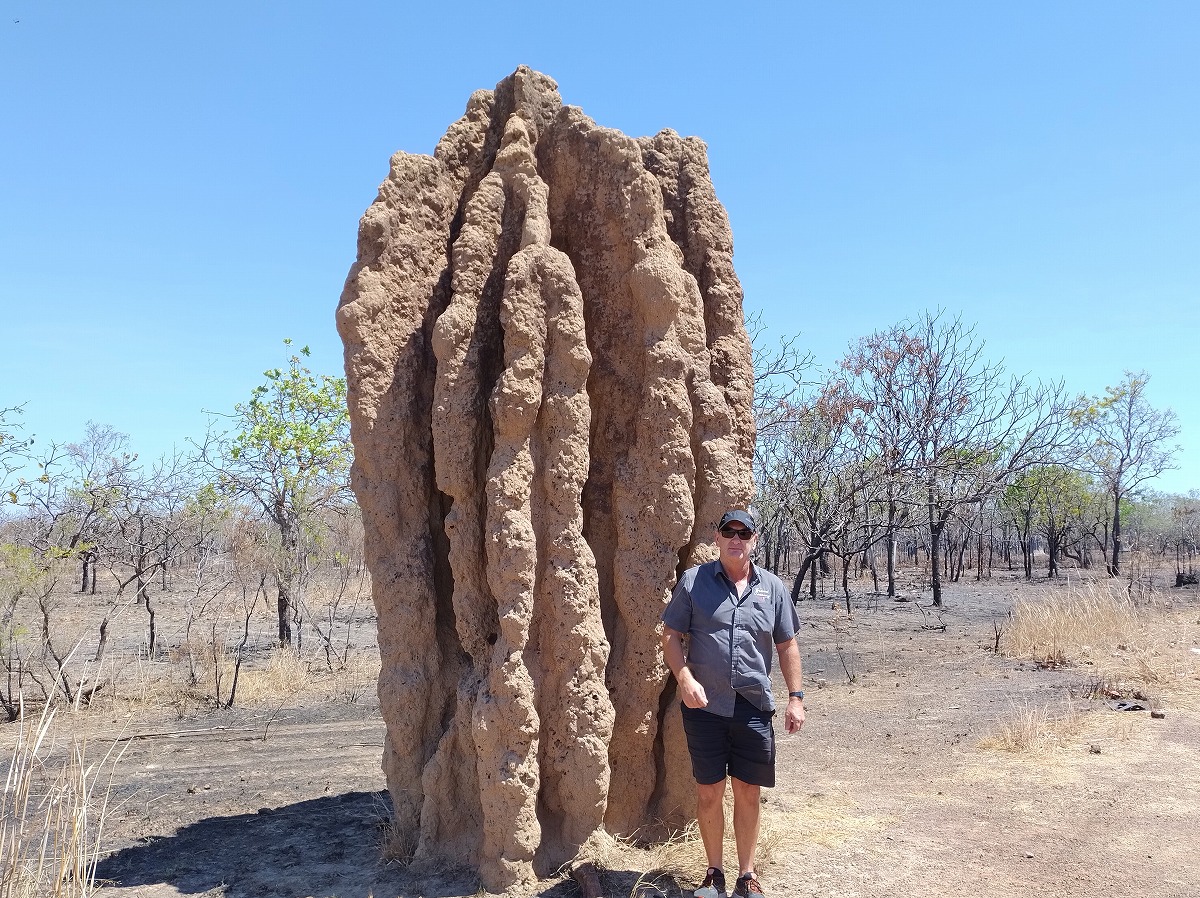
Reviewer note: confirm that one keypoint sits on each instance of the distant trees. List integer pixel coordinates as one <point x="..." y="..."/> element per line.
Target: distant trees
<point x="1128" y="443"/>
<point x="264" y="501"/>
<point x="1183" y="536"/>
<point x="76" y="488"/>
<point x="915" y="435"/>
<point x="915" y="442"/>
<point x="95" y="504"/>
<point x="801" y="468"/>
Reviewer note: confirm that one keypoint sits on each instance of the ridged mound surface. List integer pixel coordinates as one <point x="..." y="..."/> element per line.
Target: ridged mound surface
<point x="550" y="391"/>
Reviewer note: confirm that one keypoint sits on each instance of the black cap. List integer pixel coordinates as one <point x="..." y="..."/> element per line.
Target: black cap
<point x="737" y="516"/>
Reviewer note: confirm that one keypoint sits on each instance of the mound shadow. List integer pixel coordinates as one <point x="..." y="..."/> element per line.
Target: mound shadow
<point x="322" y="847"/>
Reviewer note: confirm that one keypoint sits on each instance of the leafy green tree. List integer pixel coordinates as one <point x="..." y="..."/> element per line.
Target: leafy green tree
<point x="1048" y="500"/>
<point x="1066" y="498"/>
<point x="288" y="454"/>
<point x="1128" y="443"/>
<point x="22" y="574"/>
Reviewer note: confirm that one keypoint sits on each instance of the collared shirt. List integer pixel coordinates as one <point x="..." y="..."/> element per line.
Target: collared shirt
<point x="730" y="637"/>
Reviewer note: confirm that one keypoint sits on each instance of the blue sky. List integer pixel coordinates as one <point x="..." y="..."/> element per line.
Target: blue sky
<point x="180" y="184"/>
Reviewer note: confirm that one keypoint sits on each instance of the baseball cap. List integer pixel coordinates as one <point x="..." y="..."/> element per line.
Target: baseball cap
<point x="737" y="516"/>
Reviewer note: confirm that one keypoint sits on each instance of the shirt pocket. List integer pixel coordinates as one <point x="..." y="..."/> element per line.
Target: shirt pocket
<point x="758" y="614"/>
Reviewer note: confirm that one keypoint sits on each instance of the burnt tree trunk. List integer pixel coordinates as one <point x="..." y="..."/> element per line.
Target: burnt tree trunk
<point x="1114" y="566"/>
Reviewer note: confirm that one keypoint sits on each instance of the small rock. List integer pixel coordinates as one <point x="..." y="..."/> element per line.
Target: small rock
<point x="1158" y="714"/>
<point x="1094" y="749"/>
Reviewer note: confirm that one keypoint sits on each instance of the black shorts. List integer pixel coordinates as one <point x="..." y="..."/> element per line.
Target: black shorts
<point x="741" y="746"/>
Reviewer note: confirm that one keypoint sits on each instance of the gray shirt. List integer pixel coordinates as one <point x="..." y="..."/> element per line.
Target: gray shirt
<point x="730" y="637"/>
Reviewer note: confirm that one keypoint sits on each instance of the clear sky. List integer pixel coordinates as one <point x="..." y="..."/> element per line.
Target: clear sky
<point x="180" y="183"/>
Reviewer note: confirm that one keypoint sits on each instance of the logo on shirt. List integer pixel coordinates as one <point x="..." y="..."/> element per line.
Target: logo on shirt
<point x="762" y="594"/>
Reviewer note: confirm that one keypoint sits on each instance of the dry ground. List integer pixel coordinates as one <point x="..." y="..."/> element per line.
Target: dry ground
<point x="899" y="784"/>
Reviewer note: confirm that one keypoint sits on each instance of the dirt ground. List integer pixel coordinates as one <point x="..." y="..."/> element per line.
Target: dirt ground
<point x="887" y="791"/>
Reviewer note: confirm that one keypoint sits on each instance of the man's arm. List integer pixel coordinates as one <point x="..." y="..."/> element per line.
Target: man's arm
<point x="690" y="690"/>
<point x="789" y="666"/>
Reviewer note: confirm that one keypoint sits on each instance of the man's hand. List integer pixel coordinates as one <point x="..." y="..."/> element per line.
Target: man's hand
<point x="789" y="666"/>
<point x="691" y="693"/>
<point x="793" y="718"/>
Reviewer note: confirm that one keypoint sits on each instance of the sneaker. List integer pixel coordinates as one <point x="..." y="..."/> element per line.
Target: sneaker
<point x="747" y="885"/>
<point x="713" y="885"/>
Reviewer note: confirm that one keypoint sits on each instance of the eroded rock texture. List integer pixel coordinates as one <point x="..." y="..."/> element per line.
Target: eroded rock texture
<point x="550" y="391"/>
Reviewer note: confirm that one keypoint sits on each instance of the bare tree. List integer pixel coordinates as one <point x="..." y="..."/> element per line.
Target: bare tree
<point x="14" y="448"/>
<point x="963" y="428"/>
<point x="814" y="474"/>
<point x="779" y="371"/>
<point x="77" y="486"/>
<point x="1129" y="442"/>
<point x="146" y="526"/>
<point x="871" y="370"/>
<point x="1184" y="538"/>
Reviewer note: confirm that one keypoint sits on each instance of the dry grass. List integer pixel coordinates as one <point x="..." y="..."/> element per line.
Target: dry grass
<point x="1132" y="649"/>
<point x="198" y="643"/>
<point x="1057" y="628"/>
<point x="680" y="858"/>
<point x="52" y="812"/>
<point x="287" y="676"/>
<point x="1035" y="730"/>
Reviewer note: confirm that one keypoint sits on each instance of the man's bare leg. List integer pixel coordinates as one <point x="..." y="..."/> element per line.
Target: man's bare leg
<point x="710" y="816"/>
<point x="747" y="810"/>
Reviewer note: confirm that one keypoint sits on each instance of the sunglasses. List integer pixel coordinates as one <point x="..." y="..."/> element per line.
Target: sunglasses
<point x="740" y="532"/>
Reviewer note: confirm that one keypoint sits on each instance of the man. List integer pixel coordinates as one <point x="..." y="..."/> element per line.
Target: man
<point x="731" y="612"/>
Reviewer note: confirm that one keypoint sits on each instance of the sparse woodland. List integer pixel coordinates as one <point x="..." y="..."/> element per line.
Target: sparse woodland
<point x="254" y="527"/>
<point x="180" y="580"/>
<point x="915" y="451"/>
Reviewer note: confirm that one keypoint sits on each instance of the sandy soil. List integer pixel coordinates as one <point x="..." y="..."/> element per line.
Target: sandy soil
<point x="886" y="792"/>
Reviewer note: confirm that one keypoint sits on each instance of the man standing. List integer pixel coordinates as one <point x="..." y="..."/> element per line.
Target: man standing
<point x="732" y="612"/>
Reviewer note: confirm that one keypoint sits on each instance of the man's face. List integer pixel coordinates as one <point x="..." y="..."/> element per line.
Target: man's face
<point x="735" y="542"/>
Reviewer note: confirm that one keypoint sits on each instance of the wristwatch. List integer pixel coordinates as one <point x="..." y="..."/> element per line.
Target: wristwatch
<point x="798" y="694"/>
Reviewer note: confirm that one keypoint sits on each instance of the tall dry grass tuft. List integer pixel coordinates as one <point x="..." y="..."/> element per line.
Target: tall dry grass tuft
<point x="52" y="813"/>
<point x="1129" y="648"/>
<point x="287" y="676"/>
<point x="1031" y="730"/>
<point x="1065" y="626"/>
